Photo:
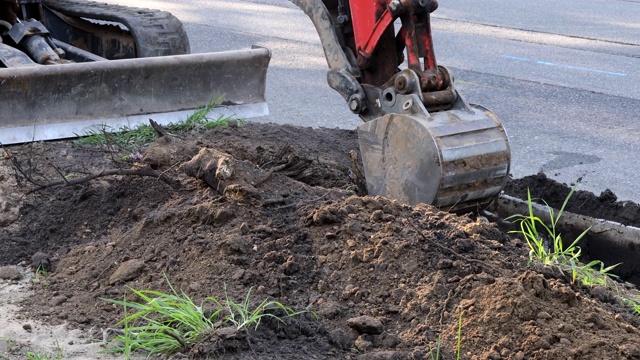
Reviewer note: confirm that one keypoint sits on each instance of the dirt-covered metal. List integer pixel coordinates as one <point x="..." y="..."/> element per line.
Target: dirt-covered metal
<point x="457" y="160"/>
<point x="122" y="66"/>
<point x="58" y="101"/>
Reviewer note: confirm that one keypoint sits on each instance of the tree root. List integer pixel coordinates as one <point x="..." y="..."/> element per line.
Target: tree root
<point x="495" y="271"/>
<point x="175" y="184"/>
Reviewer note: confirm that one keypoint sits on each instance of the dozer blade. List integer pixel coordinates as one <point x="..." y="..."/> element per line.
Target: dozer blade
<point x="457" y="160"/>
<point x="62" y="101"/>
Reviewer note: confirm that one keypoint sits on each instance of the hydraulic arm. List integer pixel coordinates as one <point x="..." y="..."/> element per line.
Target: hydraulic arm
<point x="421" y="141"/>
<point x="67" y="66"/>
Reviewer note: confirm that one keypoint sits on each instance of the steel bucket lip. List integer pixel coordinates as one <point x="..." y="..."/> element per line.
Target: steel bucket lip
<point x="458" y="159"/>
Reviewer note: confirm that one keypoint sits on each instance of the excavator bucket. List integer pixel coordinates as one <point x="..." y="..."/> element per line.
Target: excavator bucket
<point x="60" y="101"/>
<point x="421" y="141"/>
<point x="457" y="160"/>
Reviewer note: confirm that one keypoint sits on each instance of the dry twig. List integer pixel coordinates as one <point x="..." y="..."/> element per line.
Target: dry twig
<point x="444" y="248"/>
<point x="126" y="172"/>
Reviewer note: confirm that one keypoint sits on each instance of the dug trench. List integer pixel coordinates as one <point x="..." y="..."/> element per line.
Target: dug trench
<point x="614" y="233"/>
<point x="277" y="209"/>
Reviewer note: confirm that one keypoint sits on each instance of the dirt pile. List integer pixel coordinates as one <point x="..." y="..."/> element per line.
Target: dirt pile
<point x="276" y="209"/>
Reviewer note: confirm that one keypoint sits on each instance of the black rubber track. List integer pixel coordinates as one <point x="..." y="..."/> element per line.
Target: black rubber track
<point x="156" y="33"/>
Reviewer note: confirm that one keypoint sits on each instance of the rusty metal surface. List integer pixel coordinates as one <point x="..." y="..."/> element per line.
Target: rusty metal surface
<point x="457" y="160"/>
<point x="76" y="54"/>
<point x="11" y="57"/>
<point x="56" y="101"/>
<point x="20" y="30"/>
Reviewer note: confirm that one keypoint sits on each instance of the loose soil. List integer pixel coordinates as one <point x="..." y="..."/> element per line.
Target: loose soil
<point x="277" y="209"/>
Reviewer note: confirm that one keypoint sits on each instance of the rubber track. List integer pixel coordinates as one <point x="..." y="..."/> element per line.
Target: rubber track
<point x="156" y="33"/>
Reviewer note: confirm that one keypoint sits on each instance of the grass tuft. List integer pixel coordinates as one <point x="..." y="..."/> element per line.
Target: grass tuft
<point x="547" y="246"/>
<point x="164" y="323"/>
<point x="633" y="302"/>
<point x="242" y="315"/>
<point x="40" y="276"/>
<point x="54" y="356"/>
<point x="143" y="135"/>
<point x="38" y="356"/>
<point x="459" y="347"/>
<point x="437" y="355"/>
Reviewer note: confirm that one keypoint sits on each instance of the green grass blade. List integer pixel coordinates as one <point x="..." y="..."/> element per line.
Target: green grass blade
<point x="459" y="346"/>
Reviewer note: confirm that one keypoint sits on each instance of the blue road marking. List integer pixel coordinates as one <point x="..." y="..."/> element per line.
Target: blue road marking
<point x="515" y="58"/>
<point x="511" y="57"/>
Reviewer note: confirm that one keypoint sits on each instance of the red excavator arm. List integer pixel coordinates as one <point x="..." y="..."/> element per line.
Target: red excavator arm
<point x="372" y="31"/>
<point x="421" y="141"/>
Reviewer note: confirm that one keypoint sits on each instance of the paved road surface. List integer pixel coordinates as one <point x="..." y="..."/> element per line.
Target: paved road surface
<point x="564" y="76"/>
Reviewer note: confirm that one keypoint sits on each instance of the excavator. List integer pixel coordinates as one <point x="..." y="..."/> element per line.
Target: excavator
<point x="71" y="64"/>
<point x="69" y="67"/>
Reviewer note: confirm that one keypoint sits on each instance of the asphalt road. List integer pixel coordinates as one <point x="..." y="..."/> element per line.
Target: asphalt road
<point x="563" y="76"/>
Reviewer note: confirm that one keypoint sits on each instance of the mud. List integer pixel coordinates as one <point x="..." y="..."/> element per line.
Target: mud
<point x="276" y="209"/>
